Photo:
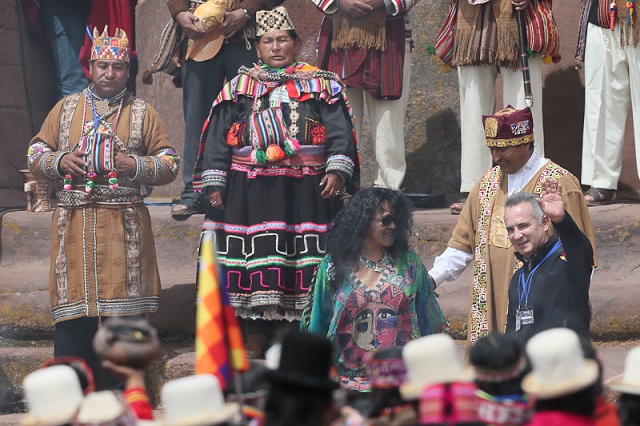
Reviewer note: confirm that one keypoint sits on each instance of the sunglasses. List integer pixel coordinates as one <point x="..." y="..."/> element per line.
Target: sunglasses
<point x="387" y="220"/>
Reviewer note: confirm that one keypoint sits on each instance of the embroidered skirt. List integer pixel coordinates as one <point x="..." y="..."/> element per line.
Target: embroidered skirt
<point x="270" y="237"/>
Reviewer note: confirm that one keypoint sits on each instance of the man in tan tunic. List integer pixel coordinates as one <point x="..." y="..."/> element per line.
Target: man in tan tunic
<point x="480" y="235"/>
<point x="103" y="148"/>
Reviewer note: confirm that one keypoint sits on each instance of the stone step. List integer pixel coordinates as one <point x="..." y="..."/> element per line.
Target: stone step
<point x="25" y="250"/>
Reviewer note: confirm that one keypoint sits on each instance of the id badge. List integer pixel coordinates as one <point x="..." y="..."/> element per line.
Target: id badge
<point x="524" y="316"/>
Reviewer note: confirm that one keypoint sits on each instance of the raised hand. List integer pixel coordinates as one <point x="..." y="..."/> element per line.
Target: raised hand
<point x="550" y="200"/>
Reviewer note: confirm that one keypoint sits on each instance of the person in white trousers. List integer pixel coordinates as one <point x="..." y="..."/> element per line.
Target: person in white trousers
<point x="612" y="80"/>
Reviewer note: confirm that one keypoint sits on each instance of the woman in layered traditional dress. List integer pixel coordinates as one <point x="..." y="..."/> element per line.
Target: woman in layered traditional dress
<point x="277" y="151"/>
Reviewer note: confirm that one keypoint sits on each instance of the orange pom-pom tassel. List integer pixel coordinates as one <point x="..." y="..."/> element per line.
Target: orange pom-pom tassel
<point x="275" y="153"/>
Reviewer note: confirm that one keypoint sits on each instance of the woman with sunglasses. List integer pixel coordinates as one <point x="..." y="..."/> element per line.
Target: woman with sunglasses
<point x="371" y="291"/>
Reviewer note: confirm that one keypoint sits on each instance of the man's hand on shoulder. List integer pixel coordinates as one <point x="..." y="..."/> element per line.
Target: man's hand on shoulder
<point x="186" y="19"/>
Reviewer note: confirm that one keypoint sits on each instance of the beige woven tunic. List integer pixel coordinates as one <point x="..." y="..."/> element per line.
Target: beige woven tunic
<point x="494" y="259"/>
<point x="103" y="260"/>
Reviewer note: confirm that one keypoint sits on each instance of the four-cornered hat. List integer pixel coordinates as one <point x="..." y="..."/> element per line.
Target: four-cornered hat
<point x="305" y="363"/>
<point x="273" y="20"/>
<point x="105" y="47"/>
<point x="431" y="360"/>
<point x="508" y="127"/>
<point x="53" y="396"/>
<point x="104" y="408"/>
<point x="194" y="401"/>
<point x="558" y="363"/>
<point x="630" y="380"/>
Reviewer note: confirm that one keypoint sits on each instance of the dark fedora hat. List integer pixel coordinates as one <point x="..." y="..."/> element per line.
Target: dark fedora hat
<point x="305" y="363"/>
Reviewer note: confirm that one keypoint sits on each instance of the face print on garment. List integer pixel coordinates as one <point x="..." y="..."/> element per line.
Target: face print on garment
<point x="373" y="319"/>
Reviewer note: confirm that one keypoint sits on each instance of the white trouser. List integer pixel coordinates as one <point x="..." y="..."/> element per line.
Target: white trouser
<point x="478" y="97"/>
<point x="386" y="122"/>
<point x="612" y="79"/>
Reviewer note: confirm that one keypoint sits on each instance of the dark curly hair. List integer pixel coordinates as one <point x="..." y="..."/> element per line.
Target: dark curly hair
<point x="354" y="220"/>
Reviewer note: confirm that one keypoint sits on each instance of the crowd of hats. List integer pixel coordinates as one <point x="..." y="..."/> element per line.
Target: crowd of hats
<point x="428" y="372"/>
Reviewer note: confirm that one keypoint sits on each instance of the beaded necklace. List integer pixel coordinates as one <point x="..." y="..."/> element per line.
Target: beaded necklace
<point x="379" y="265"/>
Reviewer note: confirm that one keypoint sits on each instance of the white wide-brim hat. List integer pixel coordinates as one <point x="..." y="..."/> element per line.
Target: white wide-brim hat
<point x="104" y="408"/>
<point x="53" y="395"/>
<point x="431" y="360"/>
<point x="630" y="380"/>
<point x="558" y="365"/>
<point x="195" y="401"/>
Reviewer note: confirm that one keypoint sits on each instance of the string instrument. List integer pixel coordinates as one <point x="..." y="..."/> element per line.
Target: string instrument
<point x="210" y="15"/>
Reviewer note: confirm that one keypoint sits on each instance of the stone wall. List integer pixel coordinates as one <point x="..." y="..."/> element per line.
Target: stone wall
<point x="432" y="124"/>
<point x="28" y="93"/>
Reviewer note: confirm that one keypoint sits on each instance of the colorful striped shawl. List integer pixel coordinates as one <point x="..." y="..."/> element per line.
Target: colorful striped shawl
<point x="302" y="81"/>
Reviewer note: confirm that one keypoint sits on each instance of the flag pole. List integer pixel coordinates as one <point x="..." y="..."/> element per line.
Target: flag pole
<point x="237" y="384"/>
<point x="524" y="58"/>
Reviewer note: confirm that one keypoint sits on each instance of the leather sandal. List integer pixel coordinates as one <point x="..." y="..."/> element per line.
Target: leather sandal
<point x="457" y="206"/>
<point x="182" y="211"/>
<point x="599" y="196"/>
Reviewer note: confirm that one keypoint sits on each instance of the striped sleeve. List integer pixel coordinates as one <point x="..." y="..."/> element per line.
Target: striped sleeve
<point x="396" y="7"/>
<point x="327" y="6"/>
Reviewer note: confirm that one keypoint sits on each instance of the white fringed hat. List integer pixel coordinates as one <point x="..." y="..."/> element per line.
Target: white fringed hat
<point x="630" y="380"/>
<point x="194" y="401"/>
<point x="53" y="396"/>
<point x="431" y="360"/>
<point x="558" y="365"/>
<point x="104" y="408"/>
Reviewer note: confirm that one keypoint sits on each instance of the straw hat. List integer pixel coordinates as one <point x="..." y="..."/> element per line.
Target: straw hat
<point x="630" y="380"/>
<point x="104" y="408"/>
<point x="194" y="401"/>
<point x="431" y="360"/>
<point x="53" y="395"/>
<point x="558" y="363"/>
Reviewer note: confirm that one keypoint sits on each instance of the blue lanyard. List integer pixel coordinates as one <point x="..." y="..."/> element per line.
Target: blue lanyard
<point x="525" y="283"/>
